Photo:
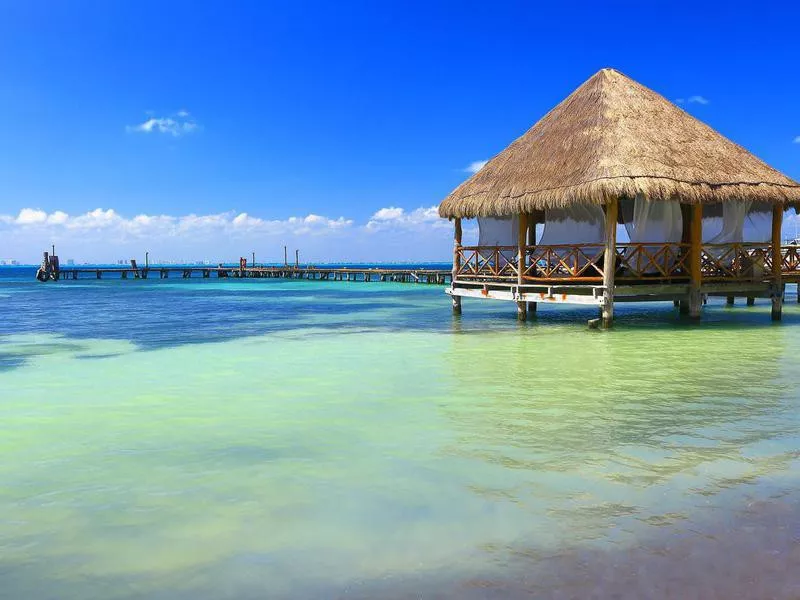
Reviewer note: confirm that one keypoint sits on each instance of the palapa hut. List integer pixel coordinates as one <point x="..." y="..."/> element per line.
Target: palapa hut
<point x="701" y="214"/>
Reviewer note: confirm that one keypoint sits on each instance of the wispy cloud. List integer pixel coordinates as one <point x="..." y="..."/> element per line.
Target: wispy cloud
<point x="175" y="125"/>
<point x="797" y="140"/>
<point x="693" y="100"/>
<point x="475" y="166"/>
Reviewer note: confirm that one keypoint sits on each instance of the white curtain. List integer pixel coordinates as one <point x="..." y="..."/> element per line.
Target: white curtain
<point x="742" y="221"/>
<point x="757" y="226"/>
<point x="659" y="222"/>
<point x="575" y="224"/>
<point x="656" y="221"/>
<point x="729" y="228"/>
<point x="494" y="231"/>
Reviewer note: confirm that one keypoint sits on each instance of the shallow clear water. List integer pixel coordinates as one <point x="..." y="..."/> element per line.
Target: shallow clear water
<point x="251" y="439"/>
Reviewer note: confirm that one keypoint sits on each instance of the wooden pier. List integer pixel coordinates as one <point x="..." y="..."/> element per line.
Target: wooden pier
<point x="424" y="276"/>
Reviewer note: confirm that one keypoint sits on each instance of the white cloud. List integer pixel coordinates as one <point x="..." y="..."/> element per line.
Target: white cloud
<point x="108" y="220"/>
<point x="797" y="140"/>
<point x="693" y="100"/>
<point x="388" y="214"/>
<point x="475" y="166"/>
<point x="397" y="218"/>
<point x="57" y="218"/>
<point x="31" y="216"/>
<point x="175" y="125"/>
<point x="697" y="100"/>
<point x="104" y="234"/>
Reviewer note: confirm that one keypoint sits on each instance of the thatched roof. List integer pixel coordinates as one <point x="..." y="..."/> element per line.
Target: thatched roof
<point x="613" y="137"/>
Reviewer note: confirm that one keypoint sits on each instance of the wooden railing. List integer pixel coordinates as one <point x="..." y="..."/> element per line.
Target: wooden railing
<point x="579" y="263"/>
<point x="790" y="260"/>
<point x="575" y="262"/>
<point x="652" y="261"/>
<point x="736" y="261"/>
<point x="487" y="263"/>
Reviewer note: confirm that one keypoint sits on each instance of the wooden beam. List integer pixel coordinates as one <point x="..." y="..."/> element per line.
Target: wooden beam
<point x="522" y="242"/>
<point x="695" y="260"/>
<point x="540" y="297"/>
<point x="777" y="262"/>
<point x="456" y="262"/>
<point x="609" y="263"/>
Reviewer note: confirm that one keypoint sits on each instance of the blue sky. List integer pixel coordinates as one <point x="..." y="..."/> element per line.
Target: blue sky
<point x="332" y="126"/>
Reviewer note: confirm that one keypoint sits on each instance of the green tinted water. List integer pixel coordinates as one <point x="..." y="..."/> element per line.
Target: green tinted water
<point x="328" y="456"/>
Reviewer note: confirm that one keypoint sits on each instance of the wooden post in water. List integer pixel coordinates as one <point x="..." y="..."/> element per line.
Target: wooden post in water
<point x="751" y="301"/>
<point x="695" y="260"/>
<point x="777" y="260"/>
<point x="609" y="263"/>
<point x="456" y="265"/>
<point x="531" y="241"/>
<point x="522" y="240"/>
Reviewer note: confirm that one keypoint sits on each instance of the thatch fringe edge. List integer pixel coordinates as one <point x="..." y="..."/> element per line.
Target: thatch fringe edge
<point x="491" y="204"/>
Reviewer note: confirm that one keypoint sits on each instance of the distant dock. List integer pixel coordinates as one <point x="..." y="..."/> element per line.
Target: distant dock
<point x="362" y="274"/>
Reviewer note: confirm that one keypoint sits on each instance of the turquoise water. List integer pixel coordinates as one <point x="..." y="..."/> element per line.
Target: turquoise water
<point x="275" y="439"/>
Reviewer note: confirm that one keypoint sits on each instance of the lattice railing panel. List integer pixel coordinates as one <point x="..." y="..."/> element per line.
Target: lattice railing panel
<point x="790" y="260"/>
<point x="565" y="261"/>
<point x="738" y="261"/>
<point x="488" y="262"/>
<point x="652" y="260"/>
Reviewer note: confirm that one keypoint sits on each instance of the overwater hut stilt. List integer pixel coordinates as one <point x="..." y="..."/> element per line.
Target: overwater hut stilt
<point x="698" y="215"/>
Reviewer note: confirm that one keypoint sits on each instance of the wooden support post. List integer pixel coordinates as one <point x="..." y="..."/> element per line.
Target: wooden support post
<point x="456" y="264"/>
<point x="124" y="275"/>
<point x="522" y="242"/>
<point x="609" y="263"/>
<point x="730" y="300"/>
<point x="751" y="301"/>
<point x="695" y="260"/>
<point x="777" y="262"/>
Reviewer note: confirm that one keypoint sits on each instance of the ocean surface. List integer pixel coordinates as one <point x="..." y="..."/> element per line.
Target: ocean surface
<point x="204" y="439"/>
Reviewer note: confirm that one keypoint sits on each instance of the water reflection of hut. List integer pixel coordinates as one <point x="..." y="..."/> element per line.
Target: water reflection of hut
<point x="700" y="213"/>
